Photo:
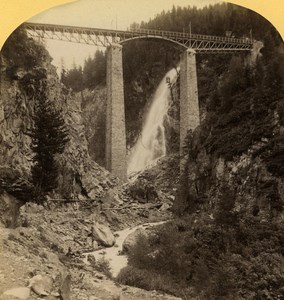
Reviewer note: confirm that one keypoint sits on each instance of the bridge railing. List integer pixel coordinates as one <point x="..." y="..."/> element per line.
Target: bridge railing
<point x="105" y="37"/>
<point x="174" y="34"/>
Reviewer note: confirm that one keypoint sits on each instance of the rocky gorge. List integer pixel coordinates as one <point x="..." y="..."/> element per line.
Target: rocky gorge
<point x="42" y="247"/>
<point x="220" y="201"/>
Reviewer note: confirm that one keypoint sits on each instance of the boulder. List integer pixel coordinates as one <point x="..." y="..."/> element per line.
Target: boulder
<point x="95" y="245"/>
<point x="103" y="235"/>
<point x="9" y="210"/>
<point x="20" y="293"/>
<point x="41" y="284"/>
<point x="65" y="287"/>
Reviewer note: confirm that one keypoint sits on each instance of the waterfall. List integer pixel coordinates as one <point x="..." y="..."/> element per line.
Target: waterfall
<point x="151" y="144"/>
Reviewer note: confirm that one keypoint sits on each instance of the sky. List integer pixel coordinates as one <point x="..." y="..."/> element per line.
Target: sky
<point x="106" y="14"/>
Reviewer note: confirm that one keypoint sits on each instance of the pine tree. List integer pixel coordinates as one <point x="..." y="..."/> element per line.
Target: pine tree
<point x="94" y="72"/>
<point x="49" y="137"/>
<point x="74" y="79"/>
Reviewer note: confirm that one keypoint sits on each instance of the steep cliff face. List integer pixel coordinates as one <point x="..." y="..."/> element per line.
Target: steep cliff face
<point x="79" y="171"/>
<point x="17" y="108"/>
<point x="237" y="152"/>
<point x="238" y="155"/>
<point x="94" y="119"/>
<point x="79" y="175"/>
<point x="256" y="192"/>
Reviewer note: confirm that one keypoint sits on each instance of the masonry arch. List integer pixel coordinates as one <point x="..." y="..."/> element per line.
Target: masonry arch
<point x="146" y="37"/>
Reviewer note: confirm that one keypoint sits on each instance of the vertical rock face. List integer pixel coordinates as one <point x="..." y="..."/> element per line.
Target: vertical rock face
<point x="15" y="111"/>
<point x="94" y="118"/>
<point x="189" y="106"/>
<point x="115" y="127"/>
<point x="79" y="173"/>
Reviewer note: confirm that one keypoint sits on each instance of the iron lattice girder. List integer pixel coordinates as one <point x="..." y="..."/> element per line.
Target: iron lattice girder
<point x="106" y="37"/>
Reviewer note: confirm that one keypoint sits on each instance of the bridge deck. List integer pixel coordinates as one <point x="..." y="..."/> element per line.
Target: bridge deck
<point x="106" y="37"/>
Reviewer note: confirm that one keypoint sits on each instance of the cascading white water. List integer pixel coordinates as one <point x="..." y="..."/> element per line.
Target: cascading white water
<point x="151" y="145"/>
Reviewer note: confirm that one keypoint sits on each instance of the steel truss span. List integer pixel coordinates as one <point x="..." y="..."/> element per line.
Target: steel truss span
<point x="106" y="37"/>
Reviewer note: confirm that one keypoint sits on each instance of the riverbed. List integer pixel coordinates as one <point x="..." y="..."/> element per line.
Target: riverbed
<point x="113" y="254"/>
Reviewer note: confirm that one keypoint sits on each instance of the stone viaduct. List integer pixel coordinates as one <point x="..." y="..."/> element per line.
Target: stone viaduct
<point x="116" y="138"/>
<point x="116" y="160"/>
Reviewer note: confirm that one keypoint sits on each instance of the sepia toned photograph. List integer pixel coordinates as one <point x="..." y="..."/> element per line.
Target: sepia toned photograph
<point x="142" y="153"/>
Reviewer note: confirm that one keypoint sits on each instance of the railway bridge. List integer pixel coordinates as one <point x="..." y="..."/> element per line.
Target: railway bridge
<point x="113" y="40"/>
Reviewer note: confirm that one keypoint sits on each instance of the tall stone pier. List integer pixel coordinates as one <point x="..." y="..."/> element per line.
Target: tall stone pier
<point x="115" y="115"/>
<point x="116" y="161"/>
<point x="189" y="106"/>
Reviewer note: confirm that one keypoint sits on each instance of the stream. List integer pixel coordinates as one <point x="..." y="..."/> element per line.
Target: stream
<point x="112" y="254"/>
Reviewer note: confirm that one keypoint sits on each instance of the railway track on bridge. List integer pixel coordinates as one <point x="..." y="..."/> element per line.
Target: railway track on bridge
<point x="107" y="37"/>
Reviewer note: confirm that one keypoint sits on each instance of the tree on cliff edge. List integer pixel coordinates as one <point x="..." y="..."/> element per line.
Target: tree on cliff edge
<point x="49" y="137"/>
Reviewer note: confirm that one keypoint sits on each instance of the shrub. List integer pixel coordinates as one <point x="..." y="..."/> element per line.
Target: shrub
<point x="102" y="265"/>
<point x="145" y="279"/>
<point x="193" y="257"/>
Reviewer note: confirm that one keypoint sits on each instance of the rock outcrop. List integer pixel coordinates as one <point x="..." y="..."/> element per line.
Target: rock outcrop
<point x="245" y="178"/>
<point x="94" y="119"/>
<point x="9" y="209"/>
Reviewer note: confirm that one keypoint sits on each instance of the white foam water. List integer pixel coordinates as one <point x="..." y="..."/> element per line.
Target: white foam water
<point x="151" y="145"/>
